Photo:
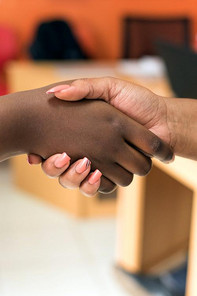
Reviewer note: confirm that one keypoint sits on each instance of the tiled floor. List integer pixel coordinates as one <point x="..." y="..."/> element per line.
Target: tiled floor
<point x="43" y="251"/>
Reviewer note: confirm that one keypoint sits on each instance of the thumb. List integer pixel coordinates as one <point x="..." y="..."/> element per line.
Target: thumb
<point x="89" y="88"/>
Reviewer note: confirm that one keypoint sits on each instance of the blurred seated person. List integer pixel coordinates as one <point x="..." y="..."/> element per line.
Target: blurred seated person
<point x="56" y="40"/>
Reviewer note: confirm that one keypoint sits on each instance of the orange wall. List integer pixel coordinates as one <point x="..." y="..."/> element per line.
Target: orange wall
<point x="101" y="16"/>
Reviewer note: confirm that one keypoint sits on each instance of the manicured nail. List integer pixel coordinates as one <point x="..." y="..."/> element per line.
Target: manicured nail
<point x="61" y="160"/>
<point x="66" y="89"/>
<point x="29" y="160"/>
<point x="57" y="88"/>
<point x="94" y="177"/>
<point x="83" y="165"/>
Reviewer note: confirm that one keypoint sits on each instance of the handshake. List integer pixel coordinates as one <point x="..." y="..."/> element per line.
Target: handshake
<point x="115" y="135"/>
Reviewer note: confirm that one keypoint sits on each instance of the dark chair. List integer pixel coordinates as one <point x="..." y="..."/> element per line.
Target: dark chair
<point x="181" y="68"/>
<point x="55" y="40"/>
<point x="140" y="34"/>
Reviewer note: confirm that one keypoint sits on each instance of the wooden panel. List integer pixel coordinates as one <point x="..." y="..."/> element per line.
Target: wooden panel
<point x="154" y="216"/>
<point x="130" y="225"/>
<point x="167" y="217"/>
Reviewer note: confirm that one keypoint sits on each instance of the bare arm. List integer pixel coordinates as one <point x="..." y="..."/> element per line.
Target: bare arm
<point x="182" y="123"/>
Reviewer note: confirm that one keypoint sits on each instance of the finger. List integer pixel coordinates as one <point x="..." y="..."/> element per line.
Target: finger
<point x="106" y="186"/>
<point x="143" y="140"/>
<point x="89" y="187"/>
<point x="118" y="173"/>
<point x="34" y="159"/>
<point x="90" y="88"/>
<point x="75" y="174"/>
<point x="55" y="165"/>
<point x="134" y="162"/>
<point x="102" y="185"/>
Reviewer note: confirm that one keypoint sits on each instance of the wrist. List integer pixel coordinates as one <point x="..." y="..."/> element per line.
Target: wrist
<point x="179" y="120"/>
<point x="13" y="126"/>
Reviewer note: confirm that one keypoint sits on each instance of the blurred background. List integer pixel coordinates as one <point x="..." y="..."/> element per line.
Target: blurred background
<point x="138" y="240"/>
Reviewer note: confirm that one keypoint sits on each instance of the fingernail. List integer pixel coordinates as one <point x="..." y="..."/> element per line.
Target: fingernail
<point x="94" y="177"/>
<point x="83" y="165"/>
<point x="57" y="88"/>
<point x="61" y="160"/>
<point x="65" y="89"/>
<point x="29" y="160"/>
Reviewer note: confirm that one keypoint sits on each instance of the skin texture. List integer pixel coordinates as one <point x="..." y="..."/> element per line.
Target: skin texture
<point x="41" y="124"/>
<point x="173" y="120"/>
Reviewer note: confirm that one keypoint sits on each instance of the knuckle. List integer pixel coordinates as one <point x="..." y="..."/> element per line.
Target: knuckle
<point x="85" y="82"/>
<point x="110" y="86"/>
<point x="113" y="120"/>
<point x="156" y="146"/>
<point x="116" y="124"/>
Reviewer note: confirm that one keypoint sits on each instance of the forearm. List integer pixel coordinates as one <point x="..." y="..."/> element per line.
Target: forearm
<point x="182" y="123"/>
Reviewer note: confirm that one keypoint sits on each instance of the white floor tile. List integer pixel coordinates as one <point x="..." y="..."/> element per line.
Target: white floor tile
<point x="43" y="251"/>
